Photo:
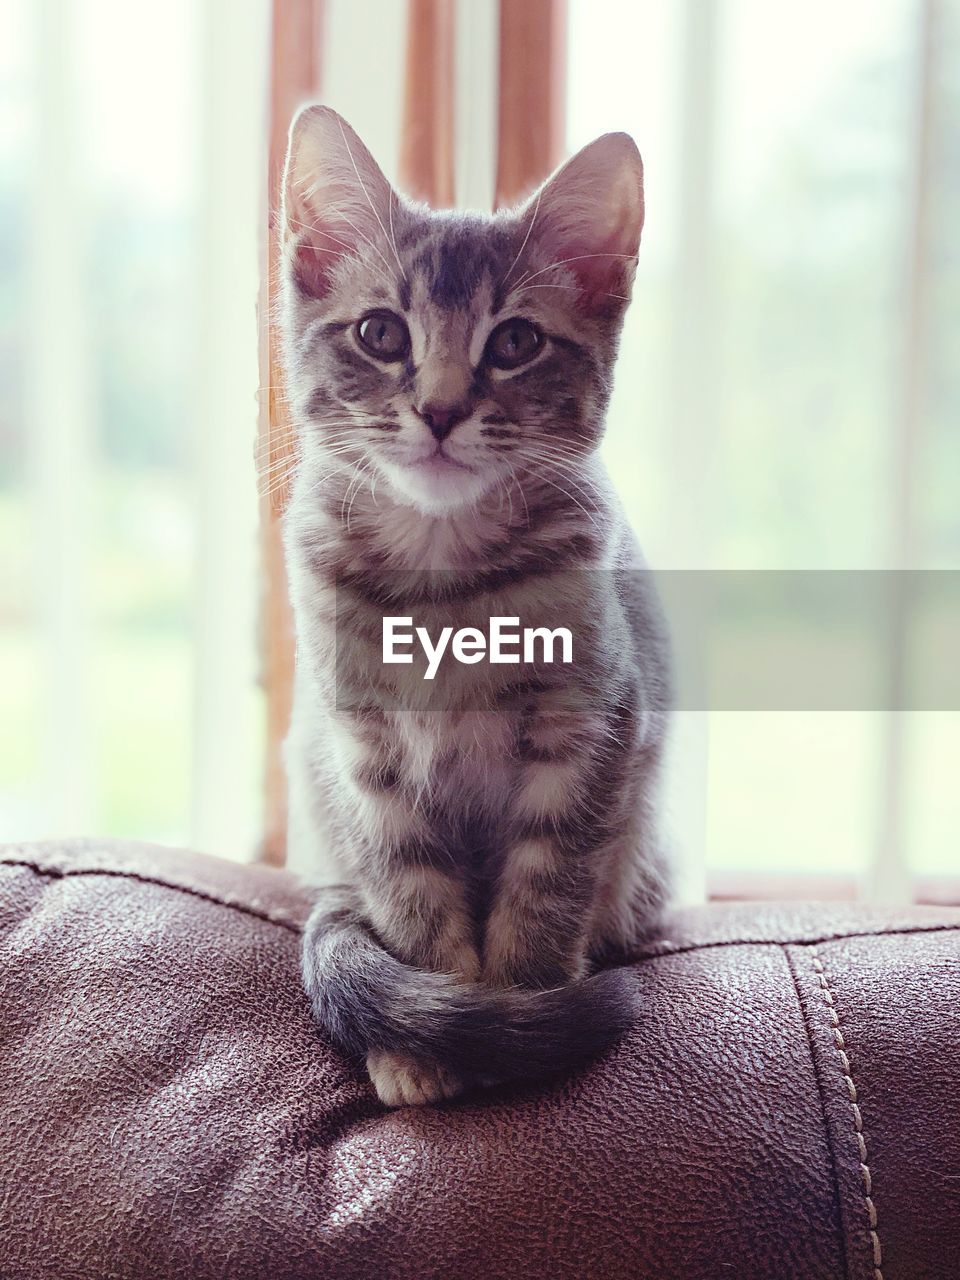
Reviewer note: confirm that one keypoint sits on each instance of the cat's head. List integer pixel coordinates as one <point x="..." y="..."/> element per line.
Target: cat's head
<point x="448" y="353"/>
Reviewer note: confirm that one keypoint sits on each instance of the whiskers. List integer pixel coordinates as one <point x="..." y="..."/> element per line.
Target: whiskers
<point x="363" y="470"/>
<point x="556" y="464"/>
<point x="279" y="460"/>
<point x="506" y="484"/>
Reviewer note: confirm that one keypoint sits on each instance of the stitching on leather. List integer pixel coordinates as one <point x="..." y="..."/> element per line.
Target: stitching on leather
<point x="54" y="873"/>
<point x="790" y="952"/>
<point x="665" y="950"/>
<point x="840" y="1047"/>
<point x="655" y="952"/>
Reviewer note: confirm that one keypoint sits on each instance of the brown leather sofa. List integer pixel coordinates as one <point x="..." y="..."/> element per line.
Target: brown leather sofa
<point x="788" y="1104"/>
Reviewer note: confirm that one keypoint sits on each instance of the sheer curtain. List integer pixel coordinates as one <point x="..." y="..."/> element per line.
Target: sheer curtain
<point x="786" y="398"/>
<point x="130" y="195"/>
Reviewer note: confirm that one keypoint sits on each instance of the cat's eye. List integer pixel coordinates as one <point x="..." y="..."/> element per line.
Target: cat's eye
<point x="384" y="335"/>
<point x="513" y="343"/>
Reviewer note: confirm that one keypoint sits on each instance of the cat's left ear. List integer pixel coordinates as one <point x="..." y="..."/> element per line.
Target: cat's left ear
<point x="589" y="215"/>
<point x="336" y="200"/>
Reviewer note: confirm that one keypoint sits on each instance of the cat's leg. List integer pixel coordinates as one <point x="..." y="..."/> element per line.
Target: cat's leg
<point x="399" y="852"/>
<point x="421" y="914"/>
<point x="572" y="815"/>
<point x="414" y="897"/>
<point x="537" y="929"/>
<point x="538" y="926"/>
<point x="403" y="1081"/>
<point x="636" y="883"/>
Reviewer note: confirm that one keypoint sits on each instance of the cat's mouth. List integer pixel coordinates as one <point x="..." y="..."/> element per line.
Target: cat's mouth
<point x="435" y="482"/>
<point x="438" y="462"/>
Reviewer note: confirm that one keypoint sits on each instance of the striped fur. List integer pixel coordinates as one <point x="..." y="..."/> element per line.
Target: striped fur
<point x="497" y="831"/>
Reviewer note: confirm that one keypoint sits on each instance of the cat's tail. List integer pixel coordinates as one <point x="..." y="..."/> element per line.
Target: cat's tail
<point x="366" y="999"/>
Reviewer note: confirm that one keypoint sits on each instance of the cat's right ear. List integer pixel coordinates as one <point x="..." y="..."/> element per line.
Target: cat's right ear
<point x="336" y="200"/>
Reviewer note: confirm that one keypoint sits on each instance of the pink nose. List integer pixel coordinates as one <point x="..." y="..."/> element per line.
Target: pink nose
<point x="442" y="418"/>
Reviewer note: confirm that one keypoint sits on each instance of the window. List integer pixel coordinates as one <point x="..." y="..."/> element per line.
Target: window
<point x="129" y="218"/>
<point x="785" y="400"/>
<point x="788" y="395"/>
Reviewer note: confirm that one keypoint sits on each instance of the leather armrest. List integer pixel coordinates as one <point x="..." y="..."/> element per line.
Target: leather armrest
<point x="788" y="1104"/>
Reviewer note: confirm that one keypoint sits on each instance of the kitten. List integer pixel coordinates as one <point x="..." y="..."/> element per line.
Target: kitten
<point x="497" y="837"/>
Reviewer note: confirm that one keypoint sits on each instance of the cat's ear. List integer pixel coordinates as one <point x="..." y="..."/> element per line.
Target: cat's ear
<point x="336" y="200"/>
<point x="589" y="215"/>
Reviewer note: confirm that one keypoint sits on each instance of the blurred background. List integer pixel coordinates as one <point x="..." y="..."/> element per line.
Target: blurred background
<point x="788" y="394"/>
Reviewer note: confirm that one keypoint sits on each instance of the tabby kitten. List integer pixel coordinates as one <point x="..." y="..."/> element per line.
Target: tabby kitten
<point x="495" y="833"/>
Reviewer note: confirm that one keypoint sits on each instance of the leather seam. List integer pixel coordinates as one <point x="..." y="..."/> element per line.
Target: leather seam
<point x="54" y="873"/>
<point x="665" y="952"/>
<point x="657" y="954"/>
<point x="828" y="1131"/>
<point x="839" y="1045"/>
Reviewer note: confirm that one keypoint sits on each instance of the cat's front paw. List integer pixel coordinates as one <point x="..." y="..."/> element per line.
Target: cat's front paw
<point x="401" y="1081"/>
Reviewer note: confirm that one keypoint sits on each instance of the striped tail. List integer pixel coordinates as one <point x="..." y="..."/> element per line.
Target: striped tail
<point x="365" y="999"/>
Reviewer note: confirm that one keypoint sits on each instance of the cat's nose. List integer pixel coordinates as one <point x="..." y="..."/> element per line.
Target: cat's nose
<point x="442" y="418"/>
